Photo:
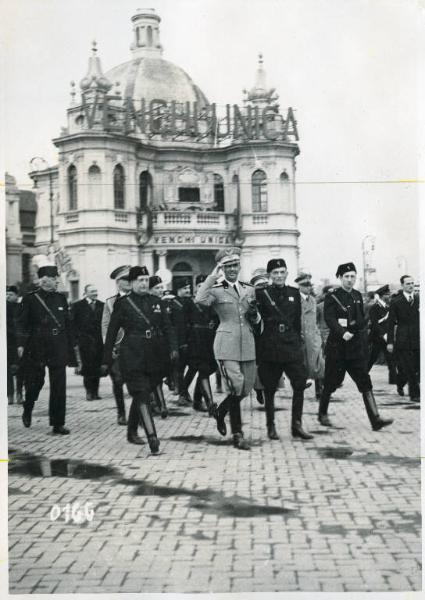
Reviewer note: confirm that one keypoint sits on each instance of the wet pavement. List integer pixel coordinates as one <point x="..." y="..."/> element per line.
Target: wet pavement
<point x="89" y="512"/>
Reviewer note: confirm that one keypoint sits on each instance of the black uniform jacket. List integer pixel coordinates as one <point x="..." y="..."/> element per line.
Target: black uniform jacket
<point x="147" y="343"/>
<point x="378" y="317"/>
<point x="403" y="323"/>
<point x="280" y="340"/>
<point x="202" y="322"/>
<point x="344" y="312"/>
<point x="46" y="341"/>
<point x="87" y="324"/>
<point x="178" y="312"/>
<point x="11" y="314"/>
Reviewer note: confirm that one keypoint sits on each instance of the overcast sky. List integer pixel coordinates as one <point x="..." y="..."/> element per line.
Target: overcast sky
<point x="350" y="69"/>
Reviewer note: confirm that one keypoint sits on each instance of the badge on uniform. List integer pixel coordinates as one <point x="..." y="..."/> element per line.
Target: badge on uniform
<point x="60" y="307"/>
<point x="290" y="298"/>
<point x="157" y="308"/>
<point x="343" y="322"/>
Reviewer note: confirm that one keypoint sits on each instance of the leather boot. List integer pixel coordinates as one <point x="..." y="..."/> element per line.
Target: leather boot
<point x="119" y="401"/>
<point x="240" y="442"/>
<point x="322" y="417"/>
<point x="148" y="425"/>
<point x="197" y="398"/>
<point x="205" y="386"/>
<point x="297" y="413"/>
<point x="318" y="384"/>
<point x="133" y="423"/>
<point x="218" y="384"/>
<point x="220" y="414"/>
<point x="27" y="414"/>
<point x="269" y="401"/>
<point x="372" y="412"/>
<point x="260" y="396"/>
<point x="161" y="401"/>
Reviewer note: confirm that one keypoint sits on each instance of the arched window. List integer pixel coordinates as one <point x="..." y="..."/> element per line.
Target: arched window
<point x="149" y="34"/>
<point x="72" y="188"/>
<point x="145" y="190"/>
<point x="218" y="193"/>
<point x="119" y="184"/>
<point x="259" y="191"/>
<point x="95" y="189"/>
<point x="285" y="191"/>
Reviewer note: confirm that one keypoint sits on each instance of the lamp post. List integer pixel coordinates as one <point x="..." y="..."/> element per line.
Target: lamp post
<point x="38" y="161"/>
<point x="365" y="252"/>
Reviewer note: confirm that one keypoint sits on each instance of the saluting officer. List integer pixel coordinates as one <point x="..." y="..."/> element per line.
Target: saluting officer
<point x="120" y="275"/>
<point x="279" y="346"/>
<point x="45" y="339"/>
<point x="234" y="347"/>
<point x="403" y="334"/>
<point x="346" y="347"/>
<point x="378" y="317"/>
<point x="144" y="351"/>
<point x="202" y="324"/>
<point x="87" y="322"/>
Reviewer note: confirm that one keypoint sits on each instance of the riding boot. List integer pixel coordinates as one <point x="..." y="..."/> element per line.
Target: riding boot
<point x="372" y="412"/>
<point x="96" y="381"/>
<point x="297" y="413"/>
<point x="260" y="396"/>
<point x="205" y="386"/>
<point x="87" y="387"/>
<point x="269" y="401"/>
<point x="221" y="412"/>
<point x="236" y="424"/>
<point x="159" y="393"/>
<point x="318" y="384"/>
<point x="197" y="397"/>
<point x="133" y="423"/>
<point x="183" y="386"/>
<point x="323" y="409"/>
<point x="218" y="384"/>
<point x="119" y="401"/>
<point x="149" y="426"/>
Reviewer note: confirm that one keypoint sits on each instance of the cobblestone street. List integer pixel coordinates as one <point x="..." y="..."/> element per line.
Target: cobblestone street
<point x="338" y="513"/>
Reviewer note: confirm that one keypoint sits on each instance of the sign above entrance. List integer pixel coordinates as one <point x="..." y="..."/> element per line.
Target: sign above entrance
<point x="187" y="119"/>
<point x="191" y="239"/>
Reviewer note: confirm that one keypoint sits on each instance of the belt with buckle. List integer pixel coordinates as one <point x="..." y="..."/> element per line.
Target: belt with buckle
<point x="282" y="328"/>
<point x="55" y="331"/>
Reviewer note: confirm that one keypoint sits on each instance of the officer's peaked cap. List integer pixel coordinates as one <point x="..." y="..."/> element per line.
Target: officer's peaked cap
<point x="135" y="272"/>
<point x="385" y="289"/>
<point x="303" y="278"/>
<point x="120" y="272"/>
<point x="48" y="271"/>
<point x="154" y="280"/>
<point x="259" y="277"/>
<point x="182" y="283"/>
<point x="228" y="256"/>
<point x="12" y="288"/>
<point x="345" y="268"/>
<point x="200" y="278"/>
<point x="275" y="263"/>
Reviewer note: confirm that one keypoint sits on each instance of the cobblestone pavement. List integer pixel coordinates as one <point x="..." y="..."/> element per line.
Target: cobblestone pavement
<point x="338" y="513"/>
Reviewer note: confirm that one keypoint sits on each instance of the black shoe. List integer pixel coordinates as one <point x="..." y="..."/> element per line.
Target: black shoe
<point x="415" y="399"/>
<point x="271" y="432"/>
<point x="164" y="413"/>
<point x="199" y="407"/>
<point x="60" y="429"/>
<point x="153" y="444"/>
<point x="240" y="443"/>
<point x="133" y="438"/>
<point x="380" y="423"/>
<point x="324" y="420"/>
<point x="121" y="420"/>
<point x="260" y="396"/>
<point x="221" y="423"/>
<point x="298" y="432"/>
<point x="26" y="418"/>
<point x="89" y="396"/>
<point x="400" y="390"/>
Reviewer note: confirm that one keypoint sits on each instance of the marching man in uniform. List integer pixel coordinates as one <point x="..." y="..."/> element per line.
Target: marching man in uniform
<point x="346" y="348"/>
<point x="234" y="347"/>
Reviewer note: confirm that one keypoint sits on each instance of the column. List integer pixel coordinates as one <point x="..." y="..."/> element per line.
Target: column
<point x="146" y="259"/>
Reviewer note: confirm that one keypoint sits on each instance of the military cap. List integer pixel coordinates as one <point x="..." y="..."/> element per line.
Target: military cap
<point x="275" y="263"/>
<point x="385" y="289"/>
<point x="120" y="272"/>
<point x="182" y="284"/>
<point x="200" y="279"/>
<point x="135" y="272"/>
<point x="345" y="268"/>
<point x="303" y="278"/>
<point x="327" y="288"/>
<point x="154" y="280"/>
<point x="12" y="288"/>
<point x="48" y="271"/>
<point x="228" y="256"/>
<point x="259" y="278"/>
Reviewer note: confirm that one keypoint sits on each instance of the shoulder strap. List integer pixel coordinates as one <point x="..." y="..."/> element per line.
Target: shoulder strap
<point x="273" y="303"/>
<point x="44" y="305"/>
<point x="177" y="302"/>
<point x="344" y="308"/>
<point x="138" y="311"/>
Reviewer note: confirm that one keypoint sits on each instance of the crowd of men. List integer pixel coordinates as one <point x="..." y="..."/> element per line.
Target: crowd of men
<point x="252" y="335"/>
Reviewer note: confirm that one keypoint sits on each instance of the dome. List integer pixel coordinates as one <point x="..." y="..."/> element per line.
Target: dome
<point x="155" y="78"/>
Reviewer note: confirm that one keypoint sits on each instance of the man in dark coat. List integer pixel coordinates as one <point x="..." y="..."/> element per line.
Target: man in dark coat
<point x="145" y="351"/>
<point x="378" y="333"/>
<point x="12" y="312"/>
<point x="178" y="314"/>
<point x="45" y="339"/>
<point x="120" y="275"/>
<point x="403" y="334"/>
<point x="87" y="323"/>
<point x="279" y="346"/>
<point x="346" y="347"/>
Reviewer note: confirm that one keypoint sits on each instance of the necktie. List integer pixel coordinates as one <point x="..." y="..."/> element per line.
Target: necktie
<point x="235" y="287"/>
<point x="411" y="300"/>
<point x="93" y="306"/>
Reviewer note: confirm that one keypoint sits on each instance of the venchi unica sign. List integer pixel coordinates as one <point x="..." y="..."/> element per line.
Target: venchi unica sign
<point x="174" y="119"/>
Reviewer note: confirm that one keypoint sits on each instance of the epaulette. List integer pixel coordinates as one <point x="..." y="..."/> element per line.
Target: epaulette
<point x="221" y="284"/>
<point x="246" y="283"/>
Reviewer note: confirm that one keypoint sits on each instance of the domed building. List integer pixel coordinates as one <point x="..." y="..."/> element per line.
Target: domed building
<point x="150" y="172"/>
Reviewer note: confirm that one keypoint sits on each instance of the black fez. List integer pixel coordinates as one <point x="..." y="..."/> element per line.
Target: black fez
<point x="275" y="263"/>
<point x="200" y="279"/>
<point x="48" y="271"/>
<point x="182" y="283"/>
<point x="120" y="272"/>
<point x="345" y="268"/>
<point x="154" y="280"/>
<point x="135" y="272"/>
<point x="385" y="289"/>
<point x="12" y="288"/>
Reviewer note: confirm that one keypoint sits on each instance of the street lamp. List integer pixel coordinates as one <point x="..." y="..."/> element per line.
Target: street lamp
<point x="41" y="164"/>
<point x="365" y="252"/>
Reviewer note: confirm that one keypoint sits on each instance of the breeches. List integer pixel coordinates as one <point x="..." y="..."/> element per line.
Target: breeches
<point x="335" y="368"/>
<point x="271" y="372"/>
<point x="238" y="377"/>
